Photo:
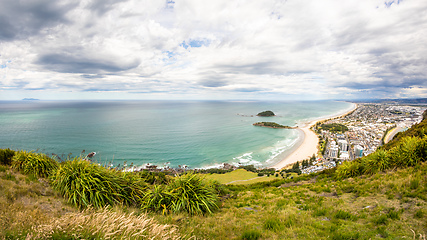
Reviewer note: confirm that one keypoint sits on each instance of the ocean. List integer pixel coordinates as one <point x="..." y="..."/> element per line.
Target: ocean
<point x="197" y="134"/>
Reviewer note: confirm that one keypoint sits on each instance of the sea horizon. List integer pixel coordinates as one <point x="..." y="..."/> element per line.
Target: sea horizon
<point x="194" y="133"/>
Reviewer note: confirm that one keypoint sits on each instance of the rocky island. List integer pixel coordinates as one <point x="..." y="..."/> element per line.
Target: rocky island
<point x="271" y="125"/>
<point x="266" y="114"/>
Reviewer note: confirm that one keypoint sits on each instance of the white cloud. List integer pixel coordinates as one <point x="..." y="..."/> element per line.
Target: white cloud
<point x="216" y="49"/>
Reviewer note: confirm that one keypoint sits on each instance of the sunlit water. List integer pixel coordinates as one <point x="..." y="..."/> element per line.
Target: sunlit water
<point x="193" y="133"/>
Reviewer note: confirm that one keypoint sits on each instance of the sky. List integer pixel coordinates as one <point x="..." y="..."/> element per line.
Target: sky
<point x="213" y="50"/>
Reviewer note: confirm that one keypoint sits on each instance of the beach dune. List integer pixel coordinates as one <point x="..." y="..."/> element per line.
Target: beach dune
<point x="309" y="145"/>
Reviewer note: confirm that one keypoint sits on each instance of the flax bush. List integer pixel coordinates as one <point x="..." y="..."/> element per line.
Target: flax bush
<point x="85" y="184"/>
<point x="36" y="164"/>
<point x="193" y="195"/>
<point x="349" y="169"/>
<point x="6" y="156"/>
<point x="188" y="193"/>
<point x="376" y="162"/>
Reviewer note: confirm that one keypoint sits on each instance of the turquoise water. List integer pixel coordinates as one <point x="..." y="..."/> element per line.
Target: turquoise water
<point x="193" y="133"/>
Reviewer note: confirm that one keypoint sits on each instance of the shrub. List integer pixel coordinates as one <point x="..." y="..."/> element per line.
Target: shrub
<point x="37" y="164"/>
<point x="190" y="193"/>
<point x="376" y="162"/>
<point x="157" y="199"/>
<point x="6" y="156"/>
<point x="409" y="152"/>
<point x="84" y="184"/>
<point x="348" y="169"/>
<point x="154" y="177"/>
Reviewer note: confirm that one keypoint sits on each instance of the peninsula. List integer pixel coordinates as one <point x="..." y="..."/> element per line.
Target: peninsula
<point x="271" y="125"/>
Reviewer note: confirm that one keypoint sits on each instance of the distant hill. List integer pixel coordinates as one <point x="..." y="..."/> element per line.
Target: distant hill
<point x="30" y="99"/>
<point x="395" y="101"/>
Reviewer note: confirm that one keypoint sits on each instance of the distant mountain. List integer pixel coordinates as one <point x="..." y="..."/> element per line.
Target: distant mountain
<point x="395" y="101"/>
<point x="30" y="99"/>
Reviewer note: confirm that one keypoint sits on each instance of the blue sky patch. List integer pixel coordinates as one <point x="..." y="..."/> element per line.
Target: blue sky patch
<point x="195" y="43"/>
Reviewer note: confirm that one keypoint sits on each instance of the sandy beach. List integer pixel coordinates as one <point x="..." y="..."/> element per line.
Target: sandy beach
<point x="390" y="135"/>
<point x="308" y="146"/>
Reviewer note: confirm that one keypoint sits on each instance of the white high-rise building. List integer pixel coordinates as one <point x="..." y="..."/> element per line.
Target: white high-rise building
<point x="343" y="145"/>
<point x="358" y="151"/>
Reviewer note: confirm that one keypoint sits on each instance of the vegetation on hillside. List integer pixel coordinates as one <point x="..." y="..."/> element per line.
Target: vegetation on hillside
<point x="333" y="127"/>
<point x="419" y="130"/>
<point x="270" y="125"/>
<point x="266" y="114"/>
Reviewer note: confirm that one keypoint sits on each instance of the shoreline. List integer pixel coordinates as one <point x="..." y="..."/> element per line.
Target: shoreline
<point x="309" y="144"/>
<point x="390" y="135"/>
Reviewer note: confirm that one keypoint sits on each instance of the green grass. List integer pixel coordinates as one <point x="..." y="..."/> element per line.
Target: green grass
<point x="315" y="210"/>
<point x="240" y="176"/>
<point x="250" y="235"/>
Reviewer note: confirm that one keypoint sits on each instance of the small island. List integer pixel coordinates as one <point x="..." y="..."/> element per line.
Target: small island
<point x="266" y="114"/>
<point x="30" y="99"/>
<point x="271" y="125"/>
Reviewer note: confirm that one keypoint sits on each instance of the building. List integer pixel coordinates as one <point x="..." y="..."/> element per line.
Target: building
<point x="343" y="145"/>
<point x="358" y="151"/>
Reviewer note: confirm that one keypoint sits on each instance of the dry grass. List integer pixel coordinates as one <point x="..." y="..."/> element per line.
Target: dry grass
<point x="105" y="224"/>
<point x="30" y="209"/>
<point x="25" y="202"/>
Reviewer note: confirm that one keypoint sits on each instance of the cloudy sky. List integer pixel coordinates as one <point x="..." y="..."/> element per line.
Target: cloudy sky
<point x="222" y="49"/>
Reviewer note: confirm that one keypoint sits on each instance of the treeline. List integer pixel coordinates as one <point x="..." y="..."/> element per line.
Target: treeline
<point x="270" y="125"/>
<point x="333" y="127"/>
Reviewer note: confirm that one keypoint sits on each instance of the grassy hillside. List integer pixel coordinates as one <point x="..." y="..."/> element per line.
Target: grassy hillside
<point x="389" y="205"/>
<point x="240" y="176"/>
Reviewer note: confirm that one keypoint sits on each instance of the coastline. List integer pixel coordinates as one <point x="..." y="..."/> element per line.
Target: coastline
<point x="390" y="135"/>
<point x="309" y="145"/>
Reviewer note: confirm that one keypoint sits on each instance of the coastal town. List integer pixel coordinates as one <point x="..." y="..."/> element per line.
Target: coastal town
<point x="360" y="132"/>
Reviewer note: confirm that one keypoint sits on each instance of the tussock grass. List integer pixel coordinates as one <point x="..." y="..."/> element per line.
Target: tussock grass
<point x="85" y="184"/>
<point x="37" y="164"/>
<point x="274" y="224"/>
<point x="6" y="156"/>
<point x="104" y="224"/>
<point x="187" y="193"/>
